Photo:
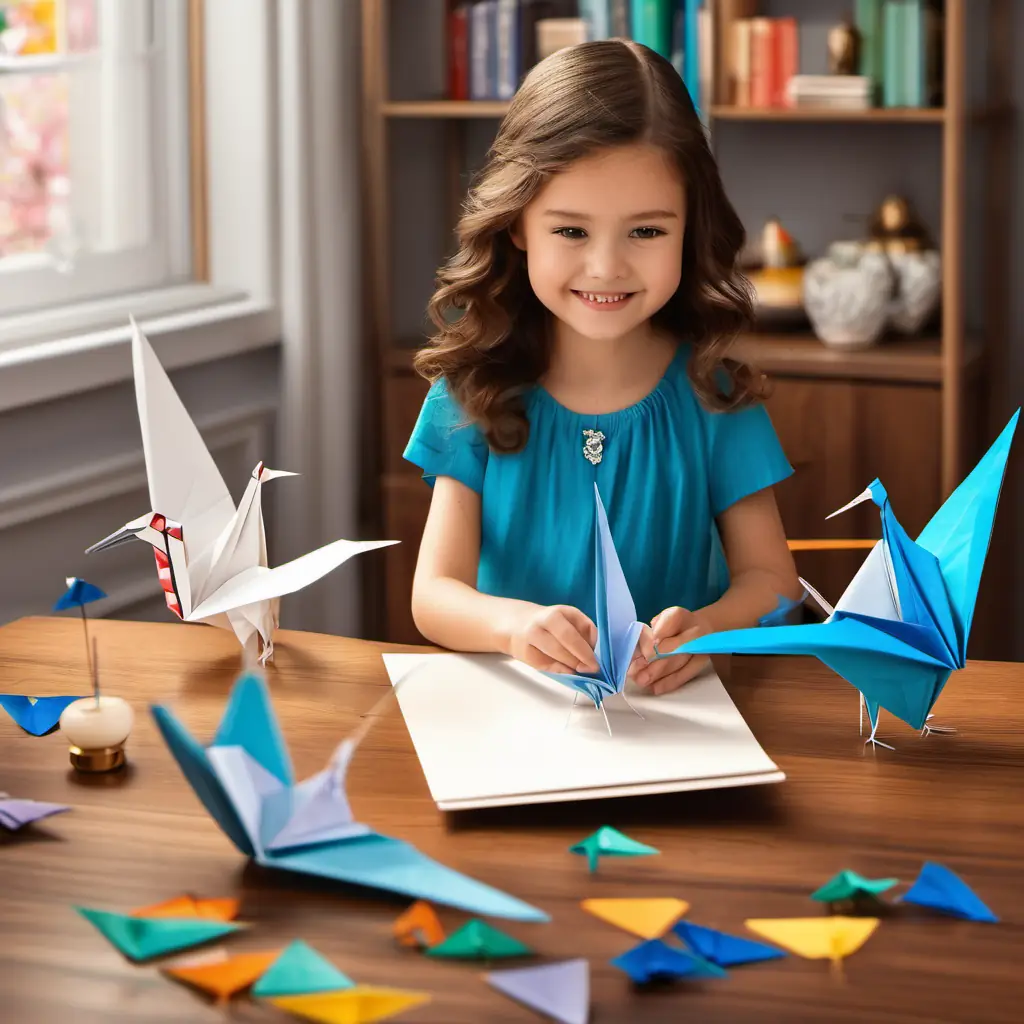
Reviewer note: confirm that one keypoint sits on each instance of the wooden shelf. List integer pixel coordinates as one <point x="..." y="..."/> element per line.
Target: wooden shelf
<point x="444" y="108"/>
<point x="873" y="115"/>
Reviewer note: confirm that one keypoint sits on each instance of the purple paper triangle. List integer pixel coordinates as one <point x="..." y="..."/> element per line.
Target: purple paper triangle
<point x="15" y="813"/>
<point x="560" y="990"/>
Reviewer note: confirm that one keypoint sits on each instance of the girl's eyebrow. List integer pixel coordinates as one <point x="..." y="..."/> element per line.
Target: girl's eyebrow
<point x="643" y="215"/>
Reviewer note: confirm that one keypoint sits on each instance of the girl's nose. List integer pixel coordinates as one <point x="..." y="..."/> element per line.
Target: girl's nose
<point x="606" y="261"/>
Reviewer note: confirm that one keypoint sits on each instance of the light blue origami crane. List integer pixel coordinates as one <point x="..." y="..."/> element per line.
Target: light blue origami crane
<point x="617" y="628"/>
<point x="245" y="780"/>
<point x="901" y="627"/>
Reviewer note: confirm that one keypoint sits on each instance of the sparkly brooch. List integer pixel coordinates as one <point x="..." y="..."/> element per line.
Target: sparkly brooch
<point x="593" y="448"/>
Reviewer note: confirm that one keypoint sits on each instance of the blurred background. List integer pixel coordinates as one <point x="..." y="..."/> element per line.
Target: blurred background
<point x="268" y="187"/>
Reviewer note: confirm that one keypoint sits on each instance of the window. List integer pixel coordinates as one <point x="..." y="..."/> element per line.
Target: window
<point x="94" y="149"/>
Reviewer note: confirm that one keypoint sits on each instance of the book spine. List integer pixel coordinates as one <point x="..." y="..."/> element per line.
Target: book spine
<point x="508" y="47"/>
<point x="478" y="52"/>
<point x="492" y="49"/>
<point x="597" y="15"/>
<point x="652" y="24"/>
<point x="691" y="50"/>
<point x="787" y="59"/>
<point x="458" y="53"/>
<point x="706" y="47"/>
<point x="913" y="55"/>
<point x="892" y="44"/>
<point x="726" y="58"/>
<point x="742" y="31"/>
<point x="620" y="19"/>
<point x="868" y="21"/>
<point x="761" y="31"/>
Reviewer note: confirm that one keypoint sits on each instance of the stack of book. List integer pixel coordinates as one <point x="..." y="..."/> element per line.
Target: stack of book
<point x="836" y="92"/>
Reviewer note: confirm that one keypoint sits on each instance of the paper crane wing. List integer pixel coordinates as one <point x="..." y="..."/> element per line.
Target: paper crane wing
<point x="184" y="482"/>
<point x="262" y="584"/>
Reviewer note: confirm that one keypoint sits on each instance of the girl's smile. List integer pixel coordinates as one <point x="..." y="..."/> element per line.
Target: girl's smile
<point x="606" y="302"/>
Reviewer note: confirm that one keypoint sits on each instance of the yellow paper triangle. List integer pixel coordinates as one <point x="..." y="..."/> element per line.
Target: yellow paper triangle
<point x="188" y="906"/>
<point x="649" y="918"/>
<point x="418" y="926"/>
<point x="359" y="1005"/>
<point x="817" y="938"/>
<point x="223" y="976"/>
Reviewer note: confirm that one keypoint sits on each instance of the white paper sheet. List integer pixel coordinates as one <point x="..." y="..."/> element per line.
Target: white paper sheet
<point x="489" y="731"/>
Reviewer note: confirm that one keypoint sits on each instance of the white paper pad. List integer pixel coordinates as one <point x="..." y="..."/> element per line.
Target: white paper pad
<point x="489" y="732"/>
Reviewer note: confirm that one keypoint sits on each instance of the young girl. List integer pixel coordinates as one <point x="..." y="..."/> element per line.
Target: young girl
<point x="582" y="331"/>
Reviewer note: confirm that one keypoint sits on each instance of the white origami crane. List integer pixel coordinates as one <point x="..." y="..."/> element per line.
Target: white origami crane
<point x="211" y="557"/>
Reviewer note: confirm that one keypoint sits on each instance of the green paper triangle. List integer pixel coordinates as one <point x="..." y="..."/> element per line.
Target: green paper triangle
<point x="848" y="885"/>
<point x="610" y="842"/>
<point x="478" y="940"/>
<point x="140" y="938"/>
<point x="300" y="970"/>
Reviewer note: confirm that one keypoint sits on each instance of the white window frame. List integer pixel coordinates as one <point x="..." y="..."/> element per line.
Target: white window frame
<point x="50" y="352"/>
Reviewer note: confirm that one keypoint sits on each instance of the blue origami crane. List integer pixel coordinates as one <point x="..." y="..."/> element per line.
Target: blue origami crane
<point x="723" y="949"/>
<point x="244" y="778"/>
<point x="901" y="627"/>
<point x="617" y="628"/>
<point x="654" y="960"/>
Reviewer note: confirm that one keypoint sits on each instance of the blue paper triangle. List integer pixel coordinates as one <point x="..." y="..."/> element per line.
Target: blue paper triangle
<point x="78" y="593"/>
<point x="249" y="722"/>
<point x="36" y="715"/>
<point x="654" y="960"/>
<point x="300" y="970"/>
<point x="943" y="890"/>
<point x="724" y="949"/>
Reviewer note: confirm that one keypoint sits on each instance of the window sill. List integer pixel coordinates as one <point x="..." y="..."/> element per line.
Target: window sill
<point x="51" y="355"/>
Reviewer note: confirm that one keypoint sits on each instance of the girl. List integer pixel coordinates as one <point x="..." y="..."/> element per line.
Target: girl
<point x="582" y="331"/>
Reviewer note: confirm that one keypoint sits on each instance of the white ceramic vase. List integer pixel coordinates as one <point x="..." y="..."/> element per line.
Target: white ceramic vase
<point x="848" y="296"/>
<point x="918" y="288"/>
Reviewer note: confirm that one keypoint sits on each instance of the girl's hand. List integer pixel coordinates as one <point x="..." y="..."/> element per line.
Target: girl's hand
<point x="556" y="638"/>
<point x="669" y="630"/>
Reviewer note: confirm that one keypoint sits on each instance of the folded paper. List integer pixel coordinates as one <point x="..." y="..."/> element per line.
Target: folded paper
<point x="848" y="885"/>
<point x="943" y="890"/>
<point x="419" y="926"/>
<point x="359" y="1005"/>
<point x="211" y="557"/>
<point x="223" y="909"/>
<point x="723" y="949"/>
<point x="15" y="814"/>
<point x="654" y="961"/>
<point x="610" y="842"/>
<point x="244" y="778"/>
<point x="558" y="991"/>
<point x="36" y="715"/>
<point x="142" y="938"/>
<point x="817" y="938"/>
<point x="301" y="970"/>
<point x="902" y="626"/>
<point x="221" y="975"/>
<point x="648" y="918"/>
<point x="477" y="940"/>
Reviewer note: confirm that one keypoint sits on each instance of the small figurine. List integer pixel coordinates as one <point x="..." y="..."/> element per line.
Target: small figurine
<point x="778" y="249"/>
<point x="843" y="49"/>
<point x="895" y="229"/>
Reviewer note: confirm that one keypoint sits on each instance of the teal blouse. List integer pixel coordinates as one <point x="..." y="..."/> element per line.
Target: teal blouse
<point x="666" y="467"/>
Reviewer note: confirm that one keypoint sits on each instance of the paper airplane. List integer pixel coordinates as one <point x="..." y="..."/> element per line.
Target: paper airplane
<point x="817" y="938"/>
<point x="142" y="938"/>
<point x="221" y="975"/>
<point x="225" y="909"/>
<point x="477" y="940"/>
<point x="654" y="961"/>
<point x="211" y="557"/>
<point x="848" y="885"/>
<point x="723" y="949"/>
<point x="943" y="890"/>
<point x="648" y="918"/>
<point x="559" y="991"/>
<point x="16" y="813"/>
<point x="617" y="628"/>
<point x="609" y="842"/>
<point x="244" y="778"/>
<point x="901" y="627"/>
<point x="419" y="926"/>
<point x="300" y="970"/>
<point x="36" y="715"/>
<point x="358" y="1005"/>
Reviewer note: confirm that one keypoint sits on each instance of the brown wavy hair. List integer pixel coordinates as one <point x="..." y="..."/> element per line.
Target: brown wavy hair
<point x="492" y="341"/>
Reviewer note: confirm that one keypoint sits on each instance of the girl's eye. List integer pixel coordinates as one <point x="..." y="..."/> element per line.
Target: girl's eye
<point x="647" y="232"/>
<point x="572" y="233"/>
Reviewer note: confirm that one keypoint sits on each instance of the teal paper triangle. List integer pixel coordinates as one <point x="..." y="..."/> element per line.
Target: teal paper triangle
<point x="848" y="885"/>
<point x="610" y="842"/>
<point x="141" y="938"/>
<point x="478" y="940"/>
<point x="300" y="970"/>
<point x="249" y="722"/>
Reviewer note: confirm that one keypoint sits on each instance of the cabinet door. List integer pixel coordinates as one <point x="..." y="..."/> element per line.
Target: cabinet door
<point x="406" y="502"/>
<point x="839" y="436"/>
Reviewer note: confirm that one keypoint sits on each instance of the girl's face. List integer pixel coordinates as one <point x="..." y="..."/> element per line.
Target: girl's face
<point x="604" y="240"/>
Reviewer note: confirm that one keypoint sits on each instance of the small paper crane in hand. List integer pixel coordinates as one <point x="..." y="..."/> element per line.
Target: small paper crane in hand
<point x="211" y="557"/>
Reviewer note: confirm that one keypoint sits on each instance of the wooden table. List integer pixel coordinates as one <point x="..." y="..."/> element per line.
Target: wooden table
<point x="141" y="836"/>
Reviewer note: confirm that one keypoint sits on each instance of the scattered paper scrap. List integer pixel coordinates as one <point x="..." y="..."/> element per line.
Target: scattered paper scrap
<point x="142" y="938"/>
<point x="941" y="889"/>
<point x="300" y="970"/>
<point x="560" y="991"/>
<point x="221" y="975"/>
<point x="610" y="842"/>
<point x="817" y="938"/>
<point x="848" y="885"/>
<point x="419" y="926"/>
<point x="724" y="949"/>
<point x="36" y="715"/>
<point x="15" y="813"/>
<point x="648" y="918"/>
<point x="359" y="1005"/>
<point x="224" y="909"/>
<point x="654" y="960"/>
<point x="477" y="940"/>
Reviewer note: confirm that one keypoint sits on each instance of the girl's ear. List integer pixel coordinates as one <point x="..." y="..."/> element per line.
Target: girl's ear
<point x="516" y="234"/>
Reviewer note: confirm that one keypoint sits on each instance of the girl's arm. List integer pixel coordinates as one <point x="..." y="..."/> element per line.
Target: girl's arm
<point x="450" y="612"/>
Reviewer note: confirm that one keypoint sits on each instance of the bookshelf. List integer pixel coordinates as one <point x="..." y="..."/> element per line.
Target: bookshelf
<point x="914" y="411"/>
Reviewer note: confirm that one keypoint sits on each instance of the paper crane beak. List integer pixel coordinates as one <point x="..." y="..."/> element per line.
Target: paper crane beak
<point x="122" y="536"/>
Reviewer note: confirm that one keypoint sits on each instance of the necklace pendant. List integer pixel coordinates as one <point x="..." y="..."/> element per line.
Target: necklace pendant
<point x="593" y="446"/>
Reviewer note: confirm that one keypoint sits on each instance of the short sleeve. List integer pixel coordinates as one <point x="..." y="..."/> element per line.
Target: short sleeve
<point x="445" y="443"/>
<point x="744" y="455"/>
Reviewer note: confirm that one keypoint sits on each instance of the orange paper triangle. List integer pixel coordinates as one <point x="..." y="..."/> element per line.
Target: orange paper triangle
<point x="222" y="976"/>
<point x="419" y="926"/>
<point x="188" y="906"/>
<point x="648" y="918"/>
<point x="360" y="1005"/>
